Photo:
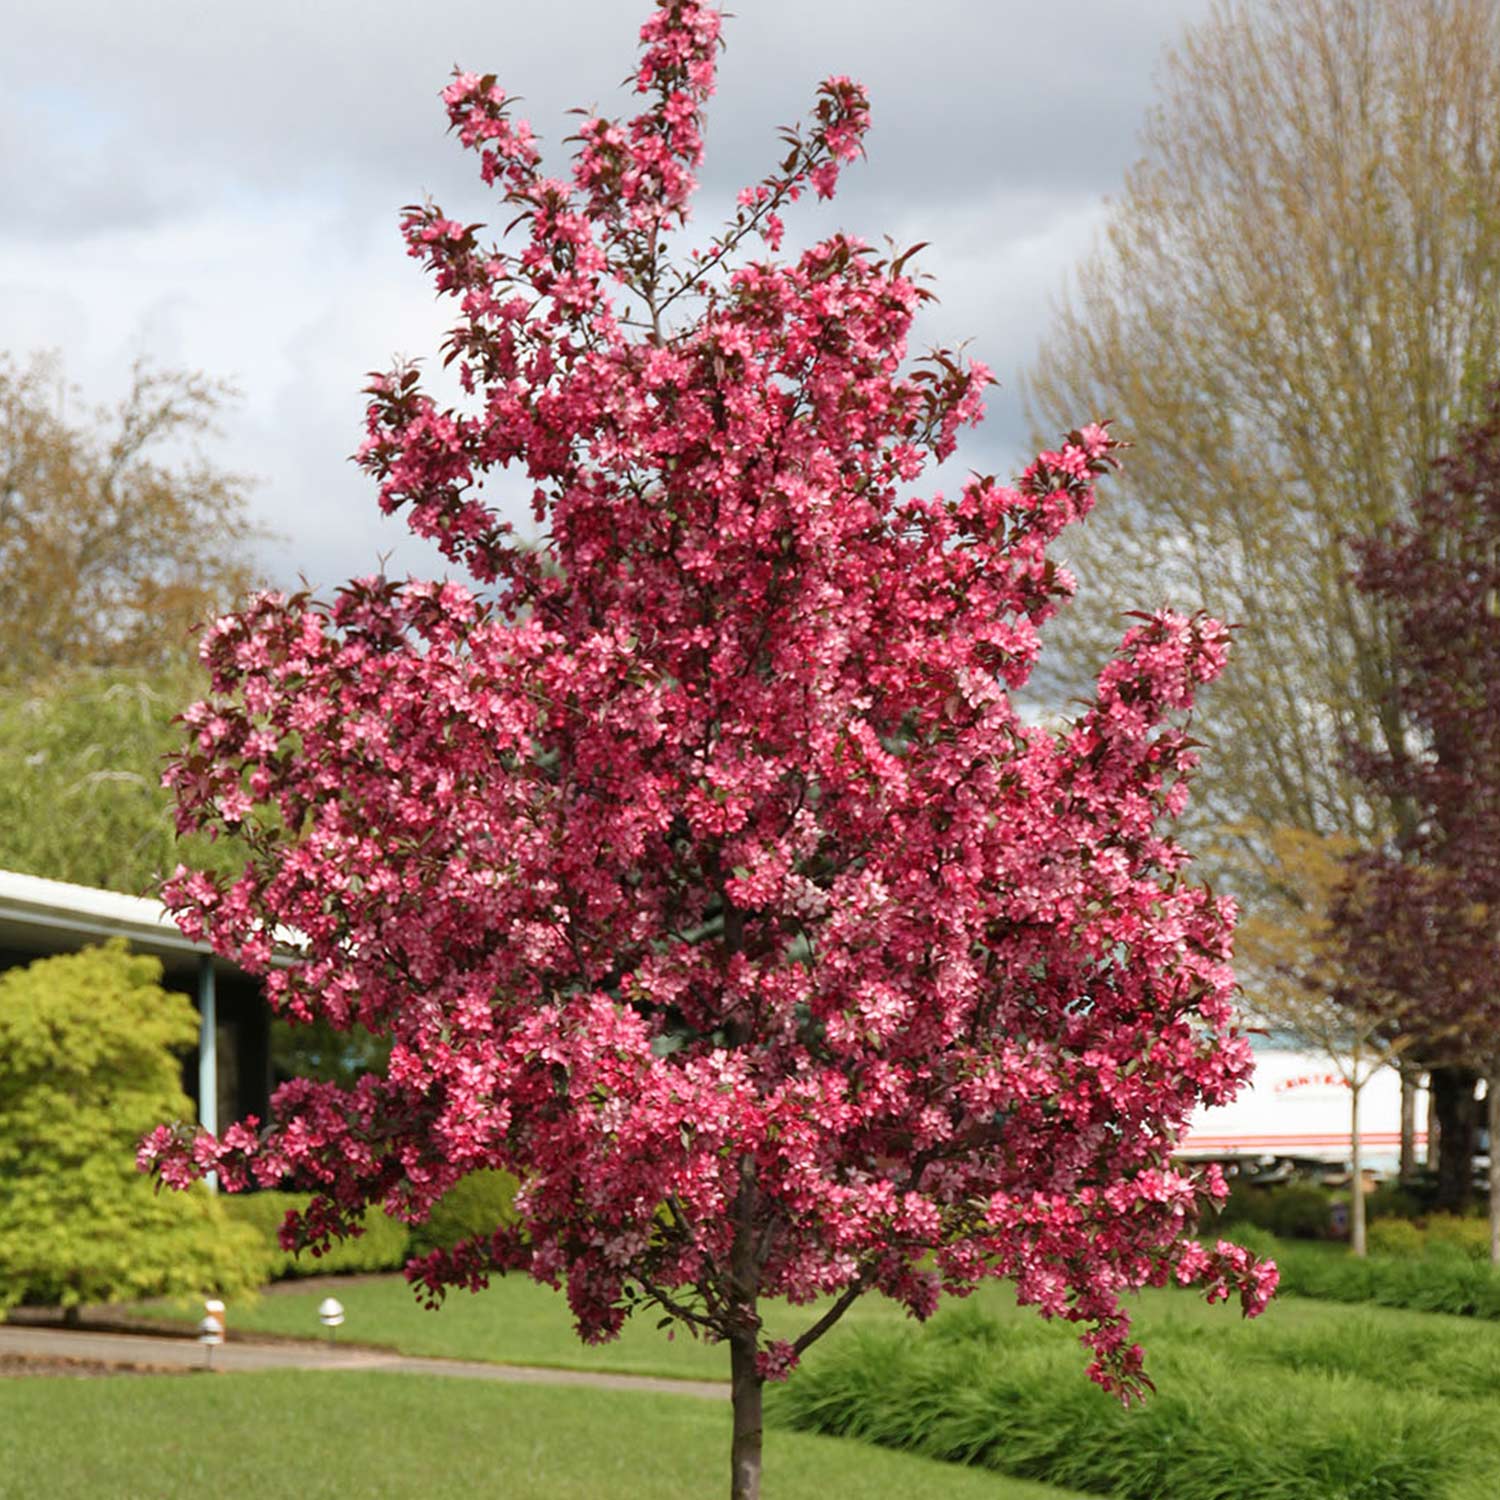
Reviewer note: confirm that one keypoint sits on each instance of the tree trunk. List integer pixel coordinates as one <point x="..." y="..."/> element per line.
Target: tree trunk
<point x="1356" y="1175"/>
<point x="1458" y="1130"/>
<point x="745" y="1391"/>
<point x="1492" y="1114"/>
<point x="1408" y="1169"/>
<point x="1430" y="1158"/>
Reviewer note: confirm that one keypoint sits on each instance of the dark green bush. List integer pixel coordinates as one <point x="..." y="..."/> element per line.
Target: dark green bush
<point x="1295" y="1210"/>
<point x="1300" y="1211"/>
<point x="1017" y="1402"/>
<point x="382" y="1247"/>
<point x="1393" y="1200"/>
<point x="1444" y="1279"/>
<point x="478" y="1204"/>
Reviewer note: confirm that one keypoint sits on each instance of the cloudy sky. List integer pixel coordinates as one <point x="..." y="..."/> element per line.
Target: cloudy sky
<point x="216" y="187"/>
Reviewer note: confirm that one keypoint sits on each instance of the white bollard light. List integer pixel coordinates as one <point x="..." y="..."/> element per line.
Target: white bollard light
<point x="330" y="1314"/>
<point x="210" y="1334"/>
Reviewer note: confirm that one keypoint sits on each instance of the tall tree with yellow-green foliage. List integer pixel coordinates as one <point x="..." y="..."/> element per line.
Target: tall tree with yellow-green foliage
<point x="1295" y="304"/>
<point x="117" y="536"/>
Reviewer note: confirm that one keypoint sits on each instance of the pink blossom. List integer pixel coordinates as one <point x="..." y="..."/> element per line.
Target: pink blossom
<point x="697" y="865"/>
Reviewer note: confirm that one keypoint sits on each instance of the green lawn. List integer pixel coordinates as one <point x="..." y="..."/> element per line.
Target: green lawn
<point x="373" y="1435"/>
<point x="1350" y="1373"/>
<point x="516" y="1321"/>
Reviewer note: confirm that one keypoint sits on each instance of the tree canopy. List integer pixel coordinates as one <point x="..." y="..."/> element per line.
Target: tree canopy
<point x="1295" y="305"/>
<point x="116" y="536"/>
<point x="1421" y="919"/>
<point x="699" y="867"/>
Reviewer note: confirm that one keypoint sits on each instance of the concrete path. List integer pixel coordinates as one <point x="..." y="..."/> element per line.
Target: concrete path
<point x="155" y="1351"/>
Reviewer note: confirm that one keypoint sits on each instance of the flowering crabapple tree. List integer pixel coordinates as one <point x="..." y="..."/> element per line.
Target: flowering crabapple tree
<point x="697" y="864"/>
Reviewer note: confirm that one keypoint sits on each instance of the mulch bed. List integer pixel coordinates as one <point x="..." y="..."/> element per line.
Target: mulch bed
<point x="21" y="1365"/>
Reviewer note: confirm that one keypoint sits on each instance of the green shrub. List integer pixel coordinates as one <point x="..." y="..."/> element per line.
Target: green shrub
<point x="1299" y="1211"/>
<point x="382" y="1246"/>
<point x="1018" y="1403"/>
<point x="1395" y="1237"/>
<point x="476" y="1205"/>
<point x="86" y="1069"/>
<point x="1393" y="1200"/>
<point x="1295" y="1210"/>
<point x="1472" y="1236"/>
<point x="1444" y="1279"/>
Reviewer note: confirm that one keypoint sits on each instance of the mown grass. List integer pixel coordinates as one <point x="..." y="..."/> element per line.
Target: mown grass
<point x="1315" y="1399"/>
<point x="515" y="1322"/>
<point x="329" y="1436"/>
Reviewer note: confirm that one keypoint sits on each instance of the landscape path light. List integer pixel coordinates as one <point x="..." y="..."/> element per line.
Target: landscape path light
<point x="331" y="1314"/>
<point x="210" y="1334"/>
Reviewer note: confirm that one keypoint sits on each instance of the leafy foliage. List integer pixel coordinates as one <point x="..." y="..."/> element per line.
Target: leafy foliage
<point x="1418" y="917"/>
<point x="81" y="760"/>
<point x="473" y="1208"/>
<point x="1444" y="1279"/>
<point x="381" y="1246"/>
<point x="86" y="1067"/>
<point x="113" y="544"/>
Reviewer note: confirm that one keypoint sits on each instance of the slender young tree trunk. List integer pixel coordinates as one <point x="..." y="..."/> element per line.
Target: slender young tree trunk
<point x="745" y="1380"/>
<point x="745" y="1390"/>
<point x="1408" y="1169"/>
<point x="1356" y="1173"/>
<point x="1492" y="1112"/>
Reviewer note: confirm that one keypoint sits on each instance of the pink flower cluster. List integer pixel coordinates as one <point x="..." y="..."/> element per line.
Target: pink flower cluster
<point x="698" y="865"/>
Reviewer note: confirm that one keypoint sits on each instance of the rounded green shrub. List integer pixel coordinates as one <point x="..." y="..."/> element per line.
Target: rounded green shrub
<point x="87" y="1067"/>
<point x="382" y="1246"/>
<point x="476" y="1205"/>
<point x="1395" y="1237"/>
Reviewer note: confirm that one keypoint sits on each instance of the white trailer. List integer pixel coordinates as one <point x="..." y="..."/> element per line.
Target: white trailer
<point x="1296" y="1109"/>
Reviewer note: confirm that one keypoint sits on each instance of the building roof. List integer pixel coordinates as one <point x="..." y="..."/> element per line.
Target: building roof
<point x="39" y="917"/>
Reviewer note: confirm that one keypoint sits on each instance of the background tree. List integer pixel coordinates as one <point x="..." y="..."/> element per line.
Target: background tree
<point x="116" y="539"/>
<point x="1291" y="959"/>
<point x="699" y="868"/>
<point x="1296" y="303"/>
<point x="86" y="1067"/>
<point x="1423" y="918"/>
<point x="81" y="762"/>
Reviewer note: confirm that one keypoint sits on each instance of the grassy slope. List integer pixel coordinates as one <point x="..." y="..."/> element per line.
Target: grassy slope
<point x="326" y="1437"/>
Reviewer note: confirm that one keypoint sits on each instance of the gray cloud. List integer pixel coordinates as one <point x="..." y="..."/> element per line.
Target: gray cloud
<point x="218" y="185"/>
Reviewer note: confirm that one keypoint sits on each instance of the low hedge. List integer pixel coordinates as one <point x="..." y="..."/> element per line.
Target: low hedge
<point x="1014" y="1399"/>
<point x="476" y="1205"/>
<point x="382" y="1246"/>
<point x="1441" y="1279"/>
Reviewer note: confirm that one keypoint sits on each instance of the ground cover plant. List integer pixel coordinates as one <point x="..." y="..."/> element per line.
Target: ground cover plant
<point x="1369" y="1410"/>
<point x="697" y="863"/>
<point x="1332" y="1379"/>
<point x="179" y="1438"/>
